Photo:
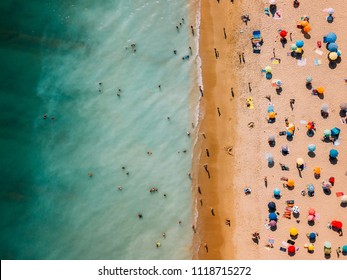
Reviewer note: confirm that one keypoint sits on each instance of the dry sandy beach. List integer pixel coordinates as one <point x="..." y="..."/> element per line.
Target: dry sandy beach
<point x="236" y="152"/>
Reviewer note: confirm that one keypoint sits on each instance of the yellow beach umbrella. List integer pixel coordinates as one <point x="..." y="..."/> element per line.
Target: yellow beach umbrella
<point x="333" y="56"/>
<point x="268" y="69"/>
<point x="300" y="161"/>
<point x="320" y="90"/>
<point x="310" y="247"/>
<point x="298" y="50"/>
<point x="290" y="183"/>
<point x="304" y="23"/>
<point x="293" y="231"/>
<point x="272" y="115"/>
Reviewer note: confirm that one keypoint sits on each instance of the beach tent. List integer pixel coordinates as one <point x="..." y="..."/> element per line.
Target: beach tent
<point x="330" y="37"/>
<point x="311" y="211"/>
<point x="311" y="148"/>
<point x="293" y="231"/>
<point x="335" y="132"/>
<point x="336" y="224"/>
<point x="299" y="43"/>
<point x="291" y="249"/>
<point x="333" y="47"/>
<point x="272" y="206"/>
<point x="333" y="56"/>
<point x="272" y="216"/>
<point x="333" y="153"/>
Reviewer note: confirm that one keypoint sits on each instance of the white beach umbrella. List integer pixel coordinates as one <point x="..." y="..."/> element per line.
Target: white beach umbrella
<point x="330" y="11"/>
<point x="344" y="198"/>
<point x="272" y="2"/>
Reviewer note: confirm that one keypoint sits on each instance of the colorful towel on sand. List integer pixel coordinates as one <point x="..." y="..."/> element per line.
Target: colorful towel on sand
<point x="250" y="103"/>
<point x="275" y="60"/>
<point x="317" y="51"/>
<point x="338" y="194"/>
<point x="317" y="62"/>
<point x="302" y="62"/>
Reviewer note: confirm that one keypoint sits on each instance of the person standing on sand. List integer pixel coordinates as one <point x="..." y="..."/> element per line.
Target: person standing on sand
<point x="218" y="110"/>
<point x="191" y="27"/>
<point x="206" y="247"/>
<point x="212" y="211"/>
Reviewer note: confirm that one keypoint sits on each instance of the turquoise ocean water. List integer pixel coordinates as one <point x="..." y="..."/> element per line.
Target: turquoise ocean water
<point x="67" y="60"/>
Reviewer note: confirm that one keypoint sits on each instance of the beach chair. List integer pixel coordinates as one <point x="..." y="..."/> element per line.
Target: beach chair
<point x="257" y="41"/>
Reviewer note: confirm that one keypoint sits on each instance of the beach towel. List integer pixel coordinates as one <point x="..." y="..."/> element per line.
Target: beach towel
<point x="302" y="62"/>
<point x="338" y="194"/>
<point x="250" y="103"/>
<point x="317" y="51"/>
<point x="278" y="14"/>
<point x="317" y="62"/>
<point x="275" y="60"/>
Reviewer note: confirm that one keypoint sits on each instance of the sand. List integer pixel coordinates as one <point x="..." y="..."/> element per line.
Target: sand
<point x="246" y="166"/>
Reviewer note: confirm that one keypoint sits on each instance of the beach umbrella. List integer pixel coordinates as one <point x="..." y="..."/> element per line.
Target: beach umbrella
<point x="271" y="138"/>
<point x="311" y="211"/>
<point x="310" y="188"/>
<point x="330" y="11"/>
<point x="271" y="205"/>
<point x="296" y="210"/>
<point x="283" y="33"/>
<point x="272" y="115"/>
<point x="272" y="216"/>
<point x="310" y="125"/>
<point x="293" y="231"/>
<point x="285" y="149"/>
<point x="326" y="185"/>
<point x="325" y="108"/>
<point x="311" y="147"/>
<point x="333" y="47"/>
<point x="309" y="79"/>
<point x="327" y="132"/>
<point x="336" y="224"/>
<point x="268" y="69"/>
<point x="327" y="244"/>
<point x="339" y="52"/>
<point x="278" y="83"/>
<point x="344" y="249"/>
<point x="272" y="2"/>
<point x="333" y="56"/>
<point x="316" y="170"/>
<point x="310" y="247"/>
<point x="293" y="47"/>
<point x="299" y="43"/>
<point x="290" y="183"/>
<point x="270" y="108"/>
<point x="304" y="23"/>
<point x="331" y="37"/>
<point x="335" y="131"/>
<point x="343" y="106"/>
<point x="272" y="223"/>
<point x="277" y="192"/>
<point x="344" y="198"/>
<point x="333" y="153"/>
<point x="312" y="235"/>
<point x="291" y="249"/>
<point x="320" y="90"/>
<point x="307" y="28"/>
<point x="300" y="161"/>
<point x="310" y="218"/>
<point x="269" y="157"/>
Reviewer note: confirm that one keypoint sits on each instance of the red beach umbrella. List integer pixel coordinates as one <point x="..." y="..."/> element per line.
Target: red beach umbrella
<point x="283" y="33"/>
<point x="336" y="224"/>
<point x="310" y="218"/>
<point x="291" y="249"/>
<point x="311" y="211"/>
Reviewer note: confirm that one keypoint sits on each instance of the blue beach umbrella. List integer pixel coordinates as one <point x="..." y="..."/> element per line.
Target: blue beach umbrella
<point x="299" y="43"/>
<point x="333" y="47"/>
<point x="272" y="217"/>
<point x="311" y="147"/>
<point x="277" y="192"/>
<point x="344" y="249"/>
<point x="310" y="188"/>
<point x="333" y="153"/>
<point x="312" y="235"/>
<point x="331" y="37"/>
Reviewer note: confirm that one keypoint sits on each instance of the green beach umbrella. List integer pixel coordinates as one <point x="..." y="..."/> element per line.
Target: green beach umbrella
<point x="327" y="132"/>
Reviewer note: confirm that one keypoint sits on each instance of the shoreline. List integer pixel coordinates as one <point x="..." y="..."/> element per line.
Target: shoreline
<point x="214" y="133"/>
